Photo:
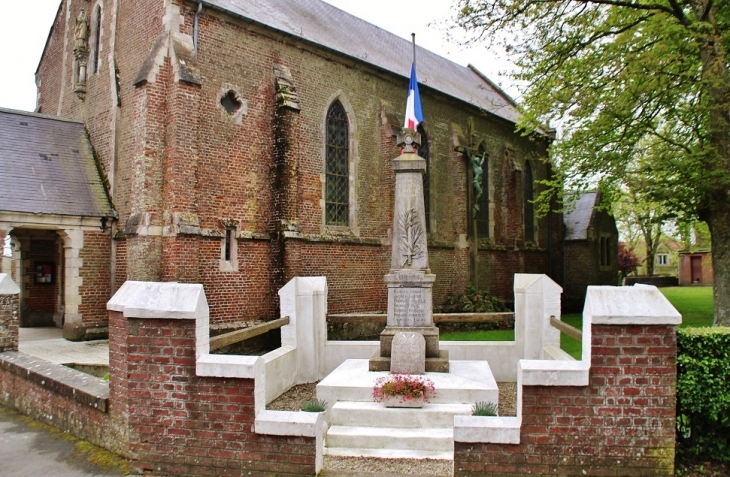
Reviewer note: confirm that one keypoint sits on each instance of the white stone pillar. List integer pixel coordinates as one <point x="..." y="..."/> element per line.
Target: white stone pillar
<point x="304" y="301"/>
<point x="537" y="298"/>
<point x="73" y="242"/>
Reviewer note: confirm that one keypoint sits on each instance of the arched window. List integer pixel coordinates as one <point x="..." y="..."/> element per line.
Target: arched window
<point x="529" y="206"/>
<point x="96" y="39"/>
<point x="337" y="174"/>
<point x="424" y="152"/>
<point x="483" y="201"/>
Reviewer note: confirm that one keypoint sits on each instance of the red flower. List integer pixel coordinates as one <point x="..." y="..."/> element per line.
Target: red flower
<point x="405" y="387"/>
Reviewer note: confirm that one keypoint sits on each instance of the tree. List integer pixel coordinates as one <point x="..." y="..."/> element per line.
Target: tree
<point x="628" y="262"/>
<point x="634" y="211"/>
<point x="641" y="90"/>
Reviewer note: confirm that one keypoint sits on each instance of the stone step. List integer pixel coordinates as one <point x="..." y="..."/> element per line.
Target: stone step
<point x="466" y="383"/>
<point x="437" y="439"/>
<point x="388" y="453"/>
<point x="363" y="414"/>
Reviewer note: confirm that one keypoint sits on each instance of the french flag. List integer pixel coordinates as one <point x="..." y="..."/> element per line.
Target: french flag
<point x="414" y="114"/>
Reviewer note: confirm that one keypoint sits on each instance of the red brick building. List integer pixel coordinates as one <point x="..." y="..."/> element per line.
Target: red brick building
<point x="695" y="268"/>
<point x="591" y="250"/>
<point x="245" y="143"/>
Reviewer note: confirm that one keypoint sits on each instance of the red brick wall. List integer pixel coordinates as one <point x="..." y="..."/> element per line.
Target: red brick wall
<point x="95" y="272"/>
<point x="187" y="425"/>
<point x="622" y="423"/>
<point x="81" y="420"/>
<point x="238" y="296"/>
<point x="120" y="262"/>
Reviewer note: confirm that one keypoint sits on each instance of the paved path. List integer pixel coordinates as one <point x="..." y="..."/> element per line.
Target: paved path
<point x="34" y="451"/>
<point x="48" y="344"/>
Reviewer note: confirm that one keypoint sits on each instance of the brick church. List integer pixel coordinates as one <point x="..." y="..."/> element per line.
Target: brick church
<point x="240" y="143"/>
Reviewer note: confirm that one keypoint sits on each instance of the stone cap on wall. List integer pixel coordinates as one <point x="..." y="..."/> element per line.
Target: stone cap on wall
<point x="165" y="300"/>
<point x="636" y="305"/>
<point x="7" y="285"/>
<point x="535" y="283"/>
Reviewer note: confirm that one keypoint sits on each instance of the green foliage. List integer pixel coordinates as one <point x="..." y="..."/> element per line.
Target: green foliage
<point x="315" y="405"/>
<point x="483" y="408"/>
<point x="703" y="393"/>
<point x="641" y="93"/>
<point x="105" y="377"/>
<point x="474" y="301"/>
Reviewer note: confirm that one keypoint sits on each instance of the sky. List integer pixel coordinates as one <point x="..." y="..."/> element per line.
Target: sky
<point x="24" y="27"/>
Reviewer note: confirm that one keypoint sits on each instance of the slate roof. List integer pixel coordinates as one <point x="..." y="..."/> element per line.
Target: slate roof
<point x="47" y="166"/>
<point x="325" y="25"/>
<point x="578" y="220"/>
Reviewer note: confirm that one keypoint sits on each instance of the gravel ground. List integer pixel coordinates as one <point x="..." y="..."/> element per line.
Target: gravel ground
<point x="364" y="465"/>
<point x="292" y="399"/>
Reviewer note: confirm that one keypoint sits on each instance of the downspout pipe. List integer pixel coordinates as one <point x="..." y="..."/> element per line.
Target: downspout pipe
<point x="195" y="26"/>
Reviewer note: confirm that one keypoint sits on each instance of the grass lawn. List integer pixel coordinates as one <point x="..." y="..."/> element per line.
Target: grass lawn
<point x="694" y="303"/>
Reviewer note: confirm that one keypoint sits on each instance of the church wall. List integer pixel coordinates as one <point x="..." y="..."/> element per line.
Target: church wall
<point x="49" y="77"/>
<point x="232" y="55"/>
<point x="95" y="274"/>
<point x="172" y="151"/>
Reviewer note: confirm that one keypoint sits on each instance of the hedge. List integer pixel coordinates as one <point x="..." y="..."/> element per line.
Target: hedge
<point x="703" y="393"/>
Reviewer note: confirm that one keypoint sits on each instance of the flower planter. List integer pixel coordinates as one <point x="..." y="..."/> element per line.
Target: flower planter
<point x="397" y="401"/>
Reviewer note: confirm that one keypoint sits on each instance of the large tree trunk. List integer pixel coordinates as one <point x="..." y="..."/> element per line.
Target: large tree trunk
<point x="717" y="209"/>
<point x="719" y="223"/>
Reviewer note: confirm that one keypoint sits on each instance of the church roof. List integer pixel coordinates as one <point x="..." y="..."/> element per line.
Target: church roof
<point x="578" y="220"/>
<point x="327" y="26"/>
<point x="47" y="166"/>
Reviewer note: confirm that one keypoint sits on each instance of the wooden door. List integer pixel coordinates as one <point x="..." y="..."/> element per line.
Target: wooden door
<point x="696" y="264"/>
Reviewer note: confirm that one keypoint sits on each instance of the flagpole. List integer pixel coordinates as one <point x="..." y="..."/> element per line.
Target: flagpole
<point x="413" y="40"/>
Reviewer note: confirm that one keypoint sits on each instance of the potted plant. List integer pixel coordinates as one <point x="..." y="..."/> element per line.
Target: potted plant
<point x="403" y="390"/>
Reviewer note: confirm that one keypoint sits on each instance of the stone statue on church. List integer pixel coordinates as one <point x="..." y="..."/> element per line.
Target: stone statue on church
<point x="82" y="30"/>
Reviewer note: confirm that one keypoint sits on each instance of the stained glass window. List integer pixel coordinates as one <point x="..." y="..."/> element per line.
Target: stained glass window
<point x="337" y="162"/>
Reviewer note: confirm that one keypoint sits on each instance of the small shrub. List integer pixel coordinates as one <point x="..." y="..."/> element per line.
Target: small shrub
<point x="474" y="301"/>
<point x="405" y="387"/>
<point x="315" y="405"/>
<point x="703" y="394"/>
<point x="483" y="408"/>
<point x="105" y="377"/>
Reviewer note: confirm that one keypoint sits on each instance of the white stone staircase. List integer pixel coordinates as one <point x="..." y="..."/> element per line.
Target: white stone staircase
<point x="358" y="426"/>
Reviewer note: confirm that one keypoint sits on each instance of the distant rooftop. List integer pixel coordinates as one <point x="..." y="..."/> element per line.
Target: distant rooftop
<point x="47" y="166"/>
<point x="322" y="24"/>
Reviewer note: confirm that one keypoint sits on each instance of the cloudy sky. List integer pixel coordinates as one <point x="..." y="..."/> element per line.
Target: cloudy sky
<point x="24" y="26"/>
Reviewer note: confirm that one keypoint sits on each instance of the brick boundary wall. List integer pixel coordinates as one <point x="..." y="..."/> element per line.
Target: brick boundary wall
<point x="59" y="396"/>
<point x="622" y="423"/>
<point x="183" y="424"/>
